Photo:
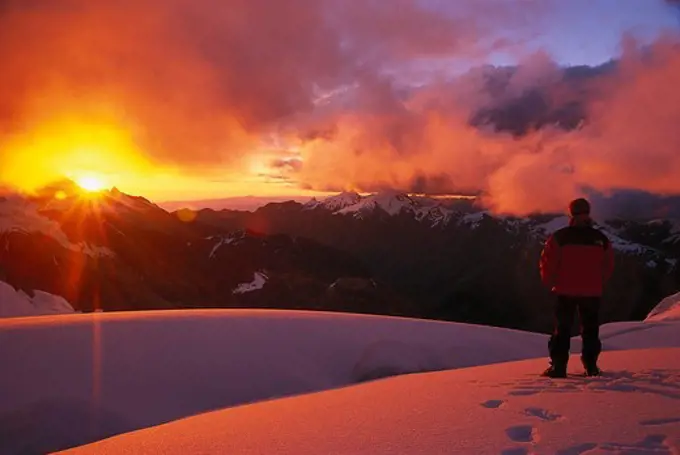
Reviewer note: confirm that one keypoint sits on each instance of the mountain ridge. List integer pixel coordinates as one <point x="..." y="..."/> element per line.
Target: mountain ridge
<point x="386" y="253"/>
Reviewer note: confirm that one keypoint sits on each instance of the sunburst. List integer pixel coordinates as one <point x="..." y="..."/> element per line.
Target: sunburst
<point x="91" y="183"/>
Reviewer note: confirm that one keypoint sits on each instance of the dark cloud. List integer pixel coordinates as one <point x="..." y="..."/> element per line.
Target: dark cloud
<point x="635" y="204"/>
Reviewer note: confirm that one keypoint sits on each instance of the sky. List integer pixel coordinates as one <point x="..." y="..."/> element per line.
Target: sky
<point x="585" y="32"/>
<point x="581" y="32"/>
<point x="211" y="99"/>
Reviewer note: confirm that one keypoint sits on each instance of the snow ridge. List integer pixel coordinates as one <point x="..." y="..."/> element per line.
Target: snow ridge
<point x="16" y="303"/>
<point x="497" y="409"/>
<point x="391" y="202"/>
<point x="335" y="203"/>
<point x="667" y="310"/>
<point x="617" y="242"/>
<point x="431" y="211"/>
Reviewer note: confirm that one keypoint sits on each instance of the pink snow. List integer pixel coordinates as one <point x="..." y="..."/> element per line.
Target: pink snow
<point x="498" y="409"/>
<point x="73" y="379"/>
<point x="79" y="378"/>
<point x="667" y="310"/>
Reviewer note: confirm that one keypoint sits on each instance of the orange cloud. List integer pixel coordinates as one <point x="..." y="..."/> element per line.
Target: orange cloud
<point x="204" y="86"/>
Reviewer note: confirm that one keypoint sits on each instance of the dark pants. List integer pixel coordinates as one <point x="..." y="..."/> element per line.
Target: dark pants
<point x="588" y="311"/>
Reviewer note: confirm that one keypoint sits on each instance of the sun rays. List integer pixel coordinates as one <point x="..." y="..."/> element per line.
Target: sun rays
<point x="91" y="183"/>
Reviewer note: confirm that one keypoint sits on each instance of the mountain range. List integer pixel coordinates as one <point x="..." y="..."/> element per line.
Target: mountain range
<point x="385" y="253"/>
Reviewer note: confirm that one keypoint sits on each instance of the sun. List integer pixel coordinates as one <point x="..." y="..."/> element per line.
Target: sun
<point x="91" y="183"/>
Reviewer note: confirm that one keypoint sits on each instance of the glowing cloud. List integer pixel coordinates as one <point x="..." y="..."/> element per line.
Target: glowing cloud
<point x="153" y="96"/>
<point x="91" y="183"/>
<point x="80" y="150"/>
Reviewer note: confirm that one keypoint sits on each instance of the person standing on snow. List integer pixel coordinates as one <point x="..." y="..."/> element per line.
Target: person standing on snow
<point x="575" y="264"/>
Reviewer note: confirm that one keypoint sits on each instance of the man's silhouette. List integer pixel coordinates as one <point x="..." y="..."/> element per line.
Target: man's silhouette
<point x="576" y="262"/>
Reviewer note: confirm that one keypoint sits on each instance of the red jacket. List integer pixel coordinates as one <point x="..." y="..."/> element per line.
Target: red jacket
<point x="577" y="261"/>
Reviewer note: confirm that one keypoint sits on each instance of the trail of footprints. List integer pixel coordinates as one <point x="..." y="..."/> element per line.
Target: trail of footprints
<point x="525" y="436"/>
<point x="528" y="436"/>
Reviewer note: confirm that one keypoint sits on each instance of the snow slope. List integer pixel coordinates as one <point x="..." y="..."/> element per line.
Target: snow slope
<point x="15" y="303"/>
<point x="74" y="379"/>
<point x="667" y="310"/>
<point x="499" y="409"/>
<point x="85" y="376"/>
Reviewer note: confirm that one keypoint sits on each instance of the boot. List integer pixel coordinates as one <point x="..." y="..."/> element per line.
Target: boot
<point x="555" y="371"/>
<point x="591" y="367"/>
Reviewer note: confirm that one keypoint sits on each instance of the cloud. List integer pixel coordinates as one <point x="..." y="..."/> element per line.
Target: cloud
<point x="207" y="85"/>
<point x="629" y="139"/>
<point x="193" y="80"/>
<point x="198" y="83"/>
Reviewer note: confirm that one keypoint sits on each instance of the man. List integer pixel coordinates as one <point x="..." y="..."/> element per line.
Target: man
<point x="575" y="264"/>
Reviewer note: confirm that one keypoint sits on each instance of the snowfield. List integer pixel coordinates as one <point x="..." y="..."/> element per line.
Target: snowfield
<point x="73" y="379"/>
<point x="78" y="378"/>
<point x="499" y="409"/>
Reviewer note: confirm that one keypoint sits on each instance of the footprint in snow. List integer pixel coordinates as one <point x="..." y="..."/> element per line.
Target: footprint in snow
<point x="493" y="404"/>
<point x="522" y="433"/>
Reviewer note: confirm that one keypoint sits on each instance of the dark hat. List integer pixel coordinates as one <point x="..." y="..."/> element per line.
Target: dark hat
<point x="579" y="207"/>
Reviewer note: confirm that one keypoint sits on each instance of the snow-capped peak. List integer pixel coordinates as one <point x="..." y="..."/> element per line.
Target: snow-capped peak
<point x="553" y="225"/>
<point x="65" y="195"/>
<point x="132" y="202"/>
<point x="617" y="242"/>
<point x="391" y="202"/>
<point x="19" y="214"/>
<point x="335" y="203"/>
